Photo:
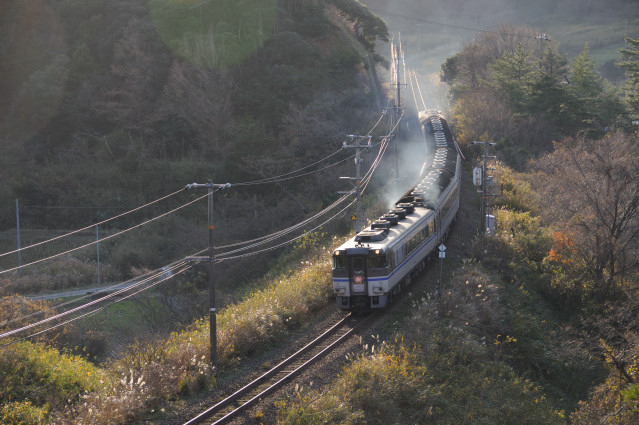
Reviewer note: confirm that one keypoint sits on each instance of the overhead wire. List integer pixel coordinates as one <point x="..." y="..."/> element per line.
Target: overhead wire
<point x="166" y="272"/>
<point x="276" y="178"/>
<point x="419" y="89"/>
<point x="180" y="263"/>
<point x="22" y="249"/>
<point x="89" y="313"/>
<point x="183" y="265"/>
<point x="272" y="179"/>
<point x="289" y="229"/>
<point x="414" y="83"/>
<point x="269" y="238"/>
<point x="103" y="289"/>
<point x="219" y="260"/>
<point x="287" y="176"/>
<point x="269" y="180"/>
<point x="104" y="238"/>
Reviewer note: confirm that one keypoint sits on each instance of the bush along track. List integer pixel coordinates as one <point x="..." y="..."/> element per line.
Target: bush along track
<point x="55" y="387"/>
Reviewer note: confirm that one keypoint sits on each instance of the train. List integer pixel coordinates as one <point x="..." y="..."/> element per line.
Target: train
<point x="373" y="267"/>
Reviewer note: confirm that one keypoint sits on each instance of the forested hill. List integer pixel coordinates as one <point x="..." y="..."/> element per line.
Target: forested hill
<point x="106" y="104"/>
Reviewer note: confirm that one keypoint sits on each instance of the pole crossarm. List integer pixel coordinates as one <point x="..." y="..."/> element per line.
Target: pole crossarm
<point x="208" y="185"/>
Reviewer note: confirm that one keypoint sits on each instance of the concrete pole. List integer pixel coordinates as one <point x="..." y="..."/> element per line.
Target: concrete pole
<point x="211" y="259"/>
<point x="18" y="234"/>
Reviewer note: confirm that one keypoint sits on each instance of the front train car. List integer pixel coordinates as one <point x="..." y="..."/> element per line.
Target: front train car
<point x="373" y="266"/>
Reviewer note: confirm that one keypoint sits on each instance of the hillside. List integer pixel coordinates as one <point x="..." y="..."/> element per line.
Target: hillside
<point x="430" y="31"/>
<point x="98" y="119"/>
<point x="107" y="106"/>
<point x="538" y="324"/>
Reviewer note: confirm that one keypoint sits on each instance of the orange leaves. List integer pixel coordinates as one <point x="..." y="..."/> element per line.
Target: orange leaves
<point x="564" y="247"/>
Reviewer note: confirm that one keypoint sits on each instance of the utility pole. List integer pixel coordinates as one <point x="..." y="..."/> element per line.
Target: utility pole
<point x="484" y="217"/>
<point x="97" y="248"/>
<point x="397" y="55"/>
<point x="541" y="38"/>
<point x="18" y="231"/>
<point x="211" y="259"/>
<point x="358" y="174"/>
<point x="442" y="255"/>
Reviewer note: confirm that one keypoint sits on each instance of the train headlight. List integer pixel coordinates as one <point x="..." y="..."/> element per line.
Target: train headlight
<point x="378" y="290"/>
<point x="340" y="290"/>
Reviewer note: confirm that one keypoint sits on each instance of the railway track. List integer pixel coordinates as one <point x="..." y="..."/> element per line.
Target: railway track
<point x="279" y="375"/>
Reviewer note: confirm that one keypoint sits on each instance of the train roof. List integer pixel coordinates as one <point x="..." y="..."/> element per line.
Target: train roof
<point x="420" y="201"/>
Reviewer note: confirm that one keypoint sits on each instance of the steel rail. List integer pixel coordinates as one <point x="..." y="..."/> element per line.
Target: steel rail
<point x="253" y="385"/>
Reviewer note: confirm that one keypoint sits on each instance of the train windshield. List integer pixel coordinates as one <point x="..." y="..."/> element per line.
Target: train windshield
<point x="340" y="262"/>
<point x="377" y="261"/>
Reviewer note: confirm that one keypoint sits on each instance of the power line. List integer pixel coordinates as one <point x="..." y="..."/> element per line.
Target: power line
<point x="177" y="268"/>
<point x="103" y="239"/>
<point x="287" y="242"/>
<point x="269" y="238"/>
<point x="284" y="177"/>
<point x="181" y="263"/>
<point x="91" y="226"/>
<point x="276" y="178"/>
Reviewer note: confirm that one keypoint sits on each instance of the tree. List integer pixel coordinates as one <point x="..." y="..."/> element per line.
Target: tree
<point x="548" y="96"/>
<point x="367" y="26"/>
<point x="136" y="71"/>
<point x="596" y="105"/>
<point x="630" y="63"/>
<point x="512" y="73"/>
<point x="591" y="191"/>
<point x="471" y="68"/>
<point x="195" y="107"/>
<point x="585" y="82"/>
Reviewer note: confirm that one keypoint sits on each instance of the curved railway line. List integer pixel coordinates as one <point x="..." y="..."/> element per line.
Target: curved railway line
<point x="276" y="377"/>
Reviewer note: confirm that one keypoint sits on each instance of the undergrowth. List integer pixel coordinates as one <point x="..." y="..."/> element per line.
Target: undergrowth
<point x="44" y="385"/>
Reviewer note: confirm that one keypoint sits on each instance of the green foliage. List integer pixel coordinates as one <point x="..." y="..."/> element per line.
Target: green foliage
<point x="449" y="383"/>
<point x="43" y="375"/>
<point x="234" y="30"/>
<point x="630" y="63"/>
<point x="525" y="233"/>
<point x="23" y="413"/>
<point x="516" y="193"/>
<point x="513" y="73"/>
<point x="631" y="395"/>
<point x="368" y="27"/>
<point x="264" y="315"/>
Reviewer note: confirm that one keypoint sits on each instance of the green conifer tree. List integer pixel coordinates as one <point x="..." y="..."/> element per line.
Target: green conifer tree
<point x="630" y="63"/>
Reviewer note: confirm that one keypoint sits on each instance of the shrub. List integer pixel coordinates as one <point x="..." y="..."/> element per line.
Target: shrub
<point x="450" y="382"/>
<point x="524" y="233"/>
<point x="23" y="413"/>
<point x="59" y="273"/>
<point x="150" y="373"/>
<point x="42" y="375"/>
<point x="516" y="192"/>
<point x="265" y="314"/>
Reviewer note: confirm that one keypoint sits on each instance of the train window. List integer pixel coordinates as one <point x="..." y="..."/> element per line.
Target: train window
<point x="340" y="262"/>
<point x="358" y="263"/>
<point x="377" y="261"/>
